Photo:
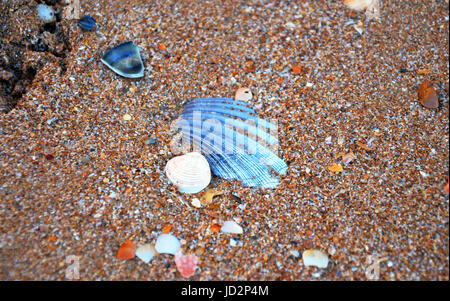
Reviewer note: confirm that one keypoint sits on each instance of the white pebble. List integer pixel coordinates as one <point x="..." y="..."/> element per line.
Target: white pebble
<point x="167" y="244"/>
<point x="315" y="258"/>
<point x="46" y="13"/>
<point x="231" y="227"/>
<point x="196" y="203"/>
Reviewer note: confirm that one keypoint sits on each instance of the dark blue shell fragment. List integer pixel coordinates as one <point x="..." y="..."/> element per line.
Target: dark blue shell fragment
<point x="234" y="140"/>
<point x="125" y="59"/>
<point x="87" y="23"/>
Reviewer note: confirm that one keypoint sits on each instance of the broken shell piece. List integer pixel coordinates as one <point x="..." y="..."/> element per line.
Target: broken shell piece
<point x="243" y="94"/>
<point x="167" y="244"/>
<point x="358" y="4"/>
<point x="428" y="96"/>
<point x="231" y="227"/>
<point x="186" y="264"/>
<point x="146" y="252"/>
<point x="125" y="60"/>
<point x="315" y="258"/>
<point x="190" y="172"/>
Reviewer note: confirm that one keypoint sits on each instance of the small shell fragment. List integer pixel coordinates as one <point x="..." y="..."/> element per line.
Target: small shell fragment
<point x="146" y="252"/>
<point x="186" y="264"/>
<point x="315" y="258"/>
<point x="86" y="23"/>
<point x="127" y="251"/>
<point x="167" y="244"/>
<point x="125" y="60"/>
<point x="243" y="94"/>
<point x="231" y="227"/>
<point x="428" y="96"/>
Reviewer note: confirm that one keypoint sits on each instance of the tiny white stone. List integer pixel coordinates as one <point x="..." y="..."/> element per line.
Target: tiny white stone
<point x="315" y="258"/>
<point x="232" y="242"/>
<point x="113" y="195"/>
<point x="328" y="140"/>
<point x="46" y="13"/>
<point x="146" y="252"/>
<point x="309" y="85"/>
<point x="196" y="203"/>
<point x="127" y="117"/>
<point x="231" y="227"/>
<point x="167" y="244"/>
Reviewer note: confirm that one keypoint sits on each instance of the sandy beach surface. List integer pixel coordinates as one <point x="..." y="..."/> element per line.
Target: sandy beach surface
<point x="78" y="181"/>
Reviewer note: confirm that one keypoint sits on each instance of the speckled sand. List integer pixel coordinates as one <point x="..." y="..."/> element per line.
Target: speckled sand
<point x="66" y="150"/>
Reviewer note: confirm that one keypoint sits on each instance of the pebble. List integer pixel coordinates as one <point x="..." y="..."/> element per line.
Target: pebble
<point x="196" y="203"/>
<point x="233" y="242"/>
<point x="315" y="258"/>
<point x="46" y="13"/>
<point x="127" y="117"/>
<point x="146" y="252"/>
<point x="231" y="227"/>
<point x="167" y="244"/>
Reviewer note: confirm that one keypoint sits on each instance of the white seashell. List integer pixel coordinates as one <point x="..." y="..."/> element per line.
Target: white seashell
<point x="167" y="244"/>
<point x="243" y="94"/>
<point x="231" y="227"/>
<point x="146" y="252"/>
<point x="315" y="258"/>
<point x="190" y="172"/>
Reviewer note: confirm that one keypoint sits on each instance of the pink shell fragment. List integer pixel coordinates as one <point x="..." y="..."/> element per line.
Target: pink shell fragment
<point x="186" y="264"/>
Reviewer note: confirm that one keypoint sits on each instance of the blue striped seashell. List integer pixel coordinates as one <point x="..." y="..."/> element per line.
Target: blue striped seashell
<point x="87" y="23"/>
<point x="125" y="60"/>
<point x="229" y="133"/>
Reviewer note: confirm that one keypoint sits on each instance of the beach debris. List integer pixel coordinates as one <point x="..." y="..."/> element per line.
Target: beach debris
<point x="347" y="158"/>
<point x="231" y="227"/>
<point x="186" y="264"/>
<point x="243" y="94"/>
<point x="127" y="251"/>
<point x="335" y="168"/>
<point x="87" y="23"/>
<point x="428" y="96"/>
<point x="196" y="203"/>
<point x="315" y="258"/>
<point x="215" y="228"/>
<point x="189" y="172"/>
<point x="296" y="70"/>
<point x="46" y="13"/>
<point x="125" y="60"/>
<point x="372" y="7"/>
<point x="167" y="229"/>
<point x="167" y="244"/>
<point x="126" y="117"/>
<point x="236" y="143"/>
<point x="209" y="195"/>
<point x="146" y="252"/>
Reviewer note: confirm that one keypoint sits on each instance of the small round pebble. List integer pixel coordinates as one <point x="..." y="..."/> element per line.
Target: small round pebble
<point x="46" y="13"/>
